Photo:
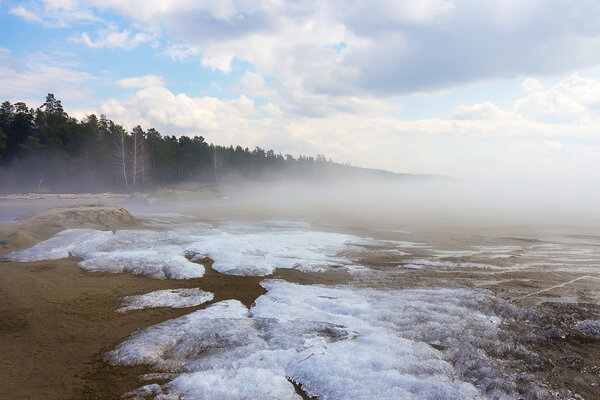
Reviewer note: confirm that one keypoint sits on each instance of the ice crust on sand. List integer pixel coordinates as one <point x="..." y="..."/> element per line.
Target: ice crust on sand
<point x="491" y="252"/>
<point x="259" y="248"/>
<point x="239" y="249"/>
<point x="175" y="298"/>
<point x="422" y="262"/>
<point x="589" y="327"/>
<point x="259" y="253"/>
<point x="61" y="245"/>
<point x="150" y="253"/>
<point x="337" y="342"/>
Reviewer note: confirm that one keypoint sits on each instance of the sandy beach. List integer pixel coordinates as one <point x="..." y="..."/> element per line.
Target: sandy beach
<point x="57" y="320"/>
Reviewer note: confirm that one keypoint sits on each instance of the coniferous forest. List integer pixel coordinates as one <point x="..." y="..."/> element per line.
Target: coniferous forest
<point x="46" y="149"/>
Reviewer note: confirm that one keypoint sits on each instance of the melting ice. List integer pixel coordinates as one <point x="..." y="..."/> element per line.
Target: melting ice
<point x="175" y="298"/>
<point x="589" y="327"/>
<point x="336" y="342"/>
<point x="240" y="249"/>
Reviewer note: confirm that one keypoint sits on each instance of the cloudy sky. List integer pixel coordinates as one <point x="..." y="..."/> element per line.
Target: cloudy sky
<point x="476" y="89"/>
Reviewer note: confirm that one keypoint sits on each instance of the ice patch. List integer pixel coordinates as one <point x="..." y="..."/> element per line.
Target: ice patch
<point x="233" y="384"/>
<point x="260" y="253"/>
<point x="175" y="298"/>
<point x="490" y="252"/>
<point x="144" y="391"/>
<point x="61" y="245"/>
<point x="422" y="262"/>
<point x="143" y="252"/>
<point x="589" y="327"/>
<point x="409" y="245"/>
<point x="338" y="343"/>
<point x="411" y="266"/>
<point x="284" y="224"/>
<point x="238" y="249"/>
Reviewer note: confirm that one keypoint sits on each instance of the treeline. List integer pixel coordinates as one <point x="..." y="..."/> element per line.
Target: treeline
<point x="45" y="148"/>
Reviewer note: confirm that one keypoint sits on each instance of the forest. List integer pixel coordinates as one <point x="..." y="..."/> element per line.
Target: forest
<point x="46" y="149"/>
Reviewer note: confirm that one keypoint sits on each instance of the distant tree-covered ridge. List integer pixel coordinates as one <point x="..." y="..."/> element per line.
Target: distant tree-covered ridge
<point x="46" y="148"/>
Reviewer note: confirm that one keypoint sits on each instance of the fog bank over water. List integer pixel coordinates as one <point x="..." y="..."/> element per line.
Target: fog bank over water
<point x="435" y="202"/>
<point x="390" y="201"/>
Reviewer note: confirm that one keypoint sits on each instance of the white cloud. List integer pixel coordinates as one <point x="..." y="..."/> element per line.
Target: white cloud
<point x="253" y="83"/>
<point x="575" y="99"/>
<point x="553" y="144"/>
<point x="532" y="85"/>
<point x="483" y="111"/>
<point x="363" y="48"/>
<point x="272" y="109"/>
<point x="40" y="74"/>
<point x="113" y="38"/>
<point x="156" y="106"/>
<point x="221" y="62"/>
<point x="181" y="51"/>
<point x="57" y="13"/>
<point x="390" y="47"/>
<point x="152" y="9"/>
<point x="61" y="4"/>
<point x="25" y="14"/>
<point x="141" y="81"/>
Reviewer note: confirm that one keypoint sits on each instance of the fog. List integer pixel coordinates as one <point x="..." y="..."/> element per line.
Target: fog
<point x="390" y="202"/>
<point x="433" y="202"/>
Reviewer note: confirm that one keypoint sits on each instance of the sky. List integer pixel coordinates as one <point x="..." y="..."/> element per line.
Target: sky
<point x="482" y="90"/>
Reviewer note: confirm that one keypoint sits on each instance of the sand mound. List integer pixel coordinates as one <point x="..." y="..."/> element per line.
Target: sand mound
<point x="84" y="216"/>
<point x="33" y="228"/>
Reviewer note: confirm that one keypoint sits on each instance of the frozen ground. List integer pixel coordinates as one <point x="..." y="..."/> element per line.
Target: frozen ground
<point x="237" y="249"/>
<point x="337" y="343"/>
<point x="167" y="250"/>
<point x="423" y="318"/>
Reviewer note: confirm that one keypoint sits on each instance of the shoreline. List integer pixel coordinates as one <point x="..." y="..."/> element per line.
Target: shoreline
<point x="57" y="320"/>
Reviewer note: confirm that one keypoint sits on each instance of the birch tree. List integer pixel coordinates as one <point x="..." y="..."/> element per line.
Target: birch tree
<point x="119" y="137"/>
<point x="137" y="154"/>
